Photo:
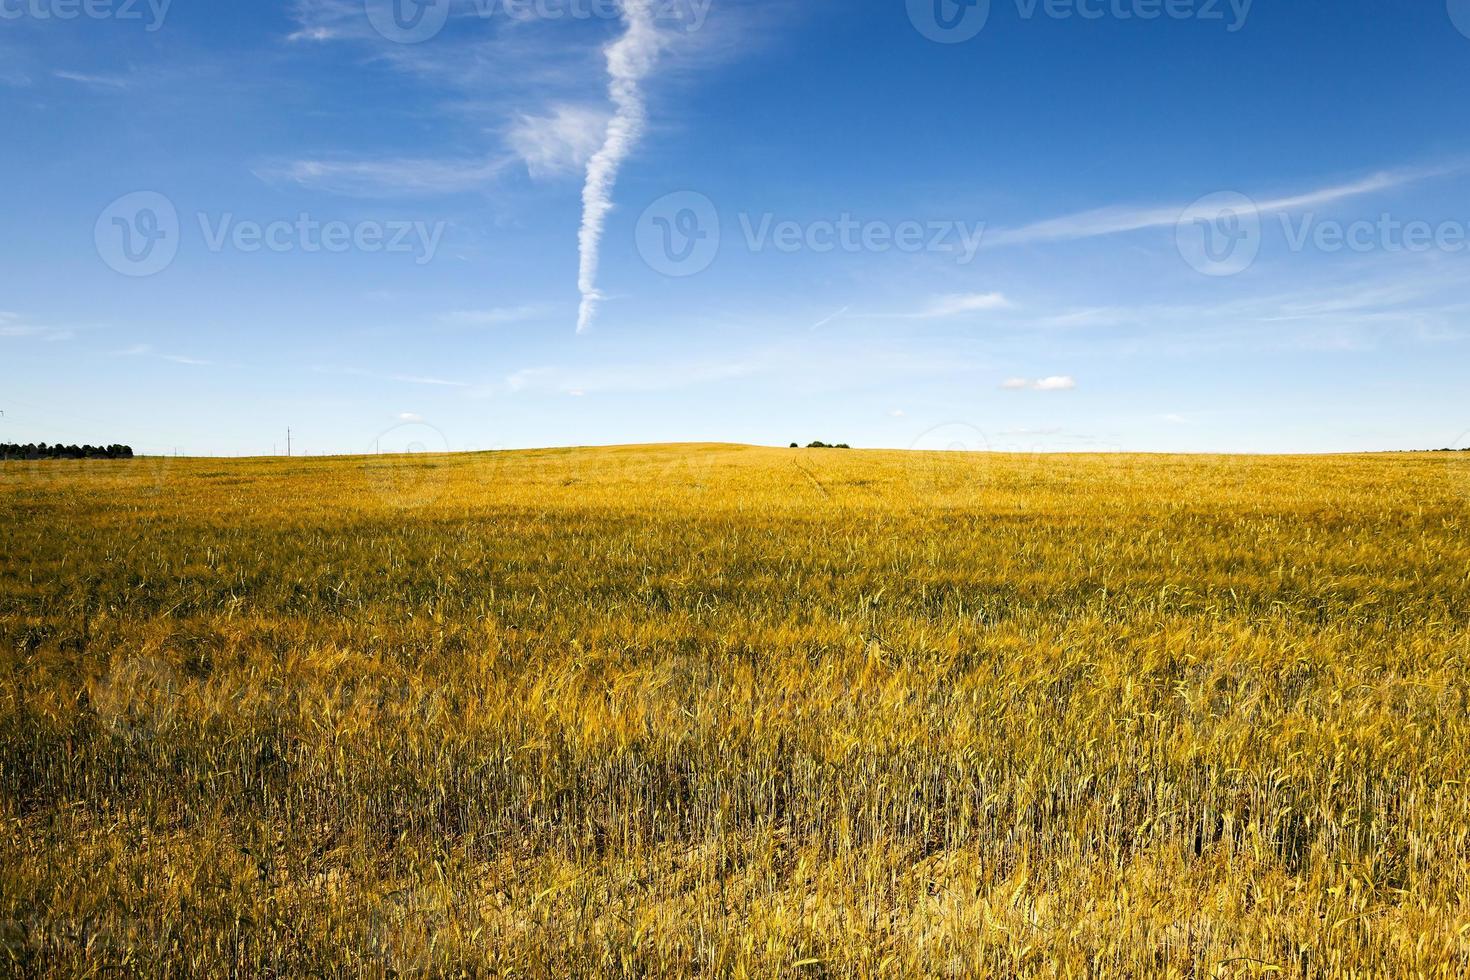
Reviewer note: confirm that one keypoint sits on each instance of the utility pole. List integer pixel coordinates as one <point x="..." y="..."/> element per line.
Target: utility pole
<point x="288" y="442"/>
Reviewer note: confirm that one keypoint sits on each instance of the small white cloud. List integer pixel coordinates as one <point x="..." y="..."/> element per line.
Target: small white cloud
<point x="389" y="176"/>
<point x="1058" y="383"/>
<point x="1103" y="317"/>
<point x="410" y="417"/>
<point x="958" y="303"/>
<point x="97" y="81"/>
<point x="146" y="350"/>
<point x="898" y="413"/>
<point x="577" y="393"/>
<point x="313" y="34"/>
<point x="1016" y="384"/>
<point x="11" y="325"/>
<point x="495" y="317"/>
<point x="414" y="379"/>
<point x="1174" y="417"/>
<point x="559" y="143"/>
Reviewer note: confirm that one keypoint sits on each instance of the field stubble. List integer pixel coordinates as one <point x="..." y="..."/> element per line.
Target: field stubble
<point x="713" y="710"/>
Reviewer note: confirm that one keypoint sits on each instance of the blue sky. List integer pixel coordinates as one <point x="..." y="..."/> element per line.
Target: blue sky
<point x="1156" y="225"/>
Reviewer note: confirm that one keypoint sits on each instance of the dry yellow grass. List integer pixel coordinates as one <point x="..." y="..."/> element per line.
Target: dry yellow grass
<point x="721" y="711"/>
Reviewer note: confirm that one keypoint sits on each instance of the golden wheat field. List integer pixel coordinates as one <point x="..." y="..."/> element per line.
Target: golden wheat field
<point x="734" y="712"/>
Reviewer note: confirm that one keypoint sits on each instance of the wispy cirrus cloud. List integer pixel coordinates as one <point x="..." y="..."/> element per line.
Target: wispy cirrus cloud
<point x="519" y="84"/>
<point x="318" y="33"/>
<point x="320" y="21"/>
<point x="14" y="326"/>
<point x="95" y="81"/>
<point x="942" y="307"/>
<point x="408" y="379"/>
<point x="498" y="317"/>
<point x="1059" y="382"/>
<point x="391" y="177"/>
<point x="34" y="332"/>
<point x="1091" y="317"/>
<point x="1385" y="300"/>
<point x="830" y="318"/>
<point x="956" y="304"/>
<point x="1117" y="220"/>
<point x="146" y="350"/>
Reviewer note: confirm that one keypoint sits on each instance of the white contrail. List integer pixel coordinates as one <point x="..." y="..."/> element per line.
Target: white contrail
<point x="629" y="60"/>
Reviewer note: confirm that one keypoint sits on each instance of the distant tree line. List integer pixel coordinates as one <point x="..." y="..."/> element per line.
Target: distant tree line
<point x="823" y="445"/>
<point x="10" y="450"/>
